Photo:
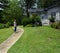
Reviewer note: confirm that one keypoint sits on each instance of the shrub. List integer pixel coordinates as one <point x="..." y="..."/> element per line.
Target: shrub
<point x="52" y="19"/>
<point x="9" y="23"/>
<point x="36" y="20"/>
<point x="2" y="26"/>
<point x="39" y="23"/>
<point x="6" y="25"/>
<point x="55" y="25"/>
<point x="25" y="21"/>
<point x="29" y="25"/>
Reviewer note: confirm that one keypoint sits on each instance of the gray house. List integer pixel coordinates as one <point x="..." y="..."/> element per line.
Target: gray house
<point x="55" y="12"/>
<point x="47" y="13"/>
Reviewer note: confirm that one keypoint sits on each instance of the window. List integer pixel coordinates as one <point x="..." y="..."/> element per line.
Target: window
<point x="53" y="14"/>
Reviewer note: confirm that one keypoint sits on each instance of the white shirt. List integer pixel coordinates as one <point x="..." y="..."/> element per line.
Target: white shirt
<point x="14" y="24"/>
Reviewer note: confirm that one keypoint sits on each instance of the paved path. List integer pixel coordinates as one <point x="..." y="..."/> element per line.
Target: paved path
<point x="7" y="44"/>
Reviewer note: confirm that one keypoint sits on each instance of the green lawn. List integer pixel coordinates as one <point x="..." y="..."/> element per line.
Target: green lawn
<point x="5" y="33"/>
<point x="38" y="40"/>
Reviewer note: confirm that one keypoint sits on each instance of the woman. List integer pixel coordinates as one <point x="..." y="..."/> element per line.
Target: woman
<point x="15" y="26"/>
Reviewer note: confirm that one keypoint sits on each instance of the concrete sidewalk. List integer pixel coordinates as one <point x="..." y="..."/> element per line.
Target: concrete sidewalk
<point x="7" y="44"/>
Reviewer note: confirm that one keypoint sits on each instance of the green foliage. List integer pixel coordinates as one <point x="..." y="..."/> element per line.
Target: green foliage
<point x="55" y="25"/>
<point x="33" y="21"/>
<point x="2" y="26"/>
<point x="36" y="20"/>
<point x="29" y="25"/>
<point x="52" y="19"/>
<point x="47" y="3"/>
<point x="5" y="4"/>
<point x="12" y="12"/>
<point x="27" y="4"/>
<point x="7" y="25"/>
<point x="25" y="21"/>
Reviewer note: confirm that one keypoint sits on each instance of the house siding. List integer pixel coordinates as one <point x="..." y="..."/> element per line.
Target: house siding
<point x="55" y="10"/>
<point x="58" y="16"/>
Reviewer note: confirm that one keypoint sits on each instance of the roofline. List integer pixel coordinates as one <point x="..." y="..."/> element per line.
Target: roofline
<point x="43" y="9"/>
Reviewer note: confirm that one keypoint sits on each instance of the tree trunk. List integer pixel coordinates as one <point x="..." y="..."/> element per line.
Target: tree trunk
<point x="27" y="7"/>
<point x="27" y="12"/>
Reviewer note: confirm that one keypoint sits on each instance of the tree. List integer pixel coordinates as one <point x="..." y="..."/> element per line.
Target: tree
<point x="47" y="3"/>
<point x="3" y="5"/>
<point x="11" y="11"/>
<point x="28" y="4"/>
<point x="14" y="11"/>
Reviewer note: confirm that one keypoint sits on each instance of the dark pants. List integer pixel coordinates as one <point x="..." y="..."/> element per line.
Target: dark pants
<point x="15" y="28"/>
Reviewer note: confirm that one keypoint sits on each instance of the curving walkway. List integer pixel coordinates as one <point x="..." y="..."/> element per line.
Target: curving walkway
<point x="7" y="44"/>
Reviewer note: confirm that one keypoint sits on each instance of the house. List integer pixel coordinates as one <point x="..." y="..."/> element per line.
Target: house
<point x="41" y="13"/>
<point x="54" y="11"/>
<point x="45" y="14"/>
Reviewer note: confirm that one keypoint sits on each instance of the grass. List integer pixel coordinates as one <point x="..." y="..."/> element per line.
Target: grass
<point x="5" y="33"/>
<point x="38" y="40"/>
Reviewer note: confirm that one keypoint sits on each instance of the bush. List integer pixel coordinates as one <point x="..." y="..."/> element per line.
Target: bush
<point x="7" y="25"/>
<point x="55" y="25"/>
<point x="2" y="26"/>
<point x="36" y="20"/>
<point x="25" y="21"/>
<point x="29" y="25"/>
<point x="52" y="19"/>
